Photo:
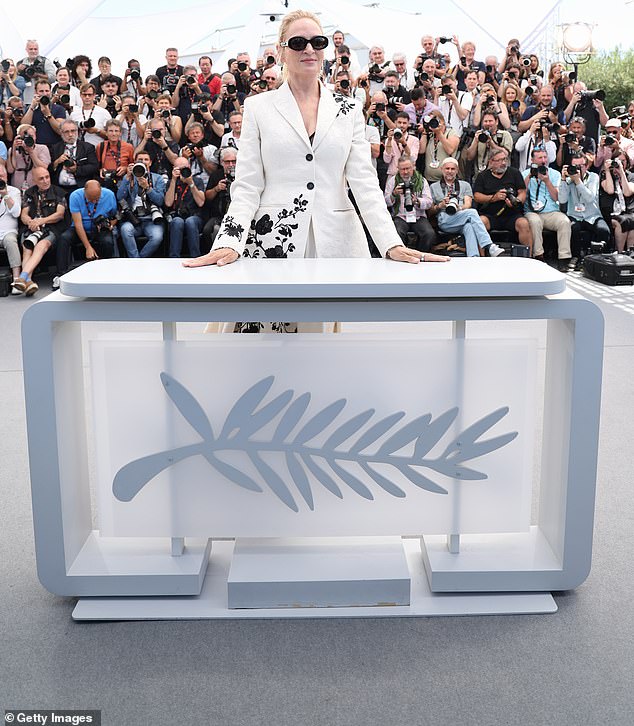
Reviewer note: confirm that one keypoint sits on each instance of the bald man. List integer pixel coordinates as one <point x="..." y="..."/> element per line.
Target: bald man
<point x="92" y="211"/>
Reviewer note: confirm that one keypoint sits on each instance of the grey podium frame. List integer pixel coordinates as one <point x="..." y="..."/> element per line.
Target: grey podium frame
<point x="72" y="559"/>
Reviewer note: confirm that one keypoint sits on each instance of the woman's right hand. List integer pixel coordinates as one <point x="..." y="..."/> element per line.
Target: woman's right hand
<point x="221" y="256"/>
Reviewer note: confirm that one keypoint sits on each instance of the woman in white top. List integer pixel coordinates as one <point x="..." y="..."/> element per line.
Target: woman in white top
<point x="299" y="146"/>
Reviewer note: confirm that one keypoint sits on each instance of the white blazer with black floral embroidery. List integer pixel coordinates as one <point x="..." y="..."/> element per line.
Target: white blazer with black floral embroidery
<point x="283" y="182"/>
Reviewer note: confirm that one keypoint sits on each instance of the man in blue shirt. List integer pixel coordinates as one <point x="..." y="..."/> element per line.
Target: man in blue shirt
<point x="93" y="210"/>
<point x="542" y="207"/>
<point x="44" y="115"/>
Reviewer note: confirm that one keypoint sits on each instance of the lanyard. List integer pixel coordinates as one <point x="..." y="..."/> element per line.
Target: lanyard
<point x="180" y="192"/>
<point x="91" y="213"/>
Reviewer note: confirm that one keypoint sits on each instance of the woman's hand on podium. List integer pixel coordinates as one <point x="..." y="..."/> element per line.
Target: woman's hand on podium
<point x="400" y="253"/>
<point x="221" y="256"/>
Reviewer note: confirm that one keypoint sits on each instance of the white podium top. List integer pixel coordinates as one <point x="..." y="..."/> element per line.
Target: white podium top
<point x="309" y="279"/>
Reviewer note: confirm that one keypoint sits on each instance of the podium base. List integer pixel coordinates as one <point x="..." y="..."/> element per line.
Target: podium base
<point x="212" y="602"/>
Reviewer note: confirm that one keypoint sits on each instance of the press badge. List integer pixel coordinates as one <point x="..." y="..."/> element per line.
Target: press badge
<point x="538" y="205"/>
<point x="434" y="164"/>
<point x="580" y="207"/>
<point x="410" y="216"/>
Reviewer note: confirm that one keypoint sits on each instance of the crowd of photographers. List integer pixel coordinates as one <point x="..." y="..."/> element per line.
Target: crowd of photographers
<point x="101" y="165"/>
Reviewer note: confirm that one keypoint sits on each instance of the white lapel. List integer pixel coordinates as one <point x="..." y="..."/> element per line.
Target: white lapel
<point x="287" y="106"/>
<point x="326" y="114"/>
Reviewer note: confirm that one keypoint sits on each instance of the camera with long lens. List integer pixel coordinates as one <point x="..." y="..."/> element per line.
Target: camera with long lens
<point x="344" y="83"/>
<point x="262" y="85"/>
<point x="3" y="185"/>
<point x="423" y="76"/>
<point x="570" y="138"/>
<point x="138" y="170"/>
<point x="446" y="89"/>
<point x="127" y="214"/>
<point x="231" y="89"/>
<point x="33" y="238"/>
<point x="452" y="206"/>
<point x="514" y="49"/>
<point x="89" y="123"/>
<point x="157" y="133"/>
<point x="186" y="172"/>
<point x="598" y="95"/>
<point x="152" y="94"/>
<point x="156" y="214"/>
<point x="68" y="163"/>
<point x="614" y="164"/>
<point x="242" y="66"/>
<point x="408" y="202"/>
<point x="45" y="101"/>
<point x="511" y="196"/>
<point x="398" y="134"/>
<point x="64" y="99"/>
<point x="430" y="123"/>
<point x="483" y="136"/>
<point x="526" y="62"/>
<point x="28" y="141"/>
<point x="537" y="169"/>
<point x="190" y="80"/>
<point x="344" y="60"/>
<point x="5" y="66"/>
<point x="36" y="68"/>
<point x="135" y="74"/>
<point x="512" y="75"/>
<point x="529" y="91"/>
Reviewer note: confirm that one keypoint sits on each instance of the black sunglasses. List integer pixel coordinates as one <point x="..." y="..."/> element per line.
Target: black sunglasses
<point x="318" y="42"/>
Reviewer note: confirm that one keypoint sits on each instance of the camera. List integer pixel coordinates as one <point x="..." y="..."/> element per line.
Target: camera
<point x="538" y="169"/>
<point x="139" y="170"/>
<point x="616" y="111"/>
<point x="33" y="238"/>
<point x="36" y="69"/>
<point x="529" y="91"/>
<point x="89" y="123"/>
<point x="5" y="66"/>
<point x="446" y="89"/>
<point x="231" y="89"/>
<point x="29" y="141"/>
<point x="408" y="202"/>
<point x="344" y="60"/>
<point x="510" y="195"/>
<point x="512" y="75"/>
<point x="398" y="134"/>
<point x="424" y="76"/>
<point x="165" y="113"/>
<point x="110" y="176"/>
<point x="127" y="214"/>
<point x="380" y="106"/>
<point x="599" y="95"/>
<point x="64" y="99"/>
<point x="483" y="136"/>
<point x="610" y="140"/>
<point x="101" y="223"/>
<point x="135" y="74"/>
<point x="170" y="79"/>
<point x="44" y="101"/>
<point x="514" y="49"/>
<point x="489" y="99"/>
<point x="190" y="80"/>
<point x="152" y="94"/>
<point x="3" y="184"/>
<point x="242" y="66"/>
<point x="614" y="164"/>
<point x="515" y="105"/>
<point x="270" y="60"/>
<point x="570" y="138"/>
<point x="430" y="123"/>
<point x="157" y="133"/>
<point x="186" y="172"/>
<point x="262" y="84"/>
<point x="68" y="163"/>
<point x="344" y="83"/>
<point x="443" y="39"/>
<point x="133" y="108"/>
<point x="156" y="214"/>
<point x="489" y="69"/>
<point x="452" y="206"/>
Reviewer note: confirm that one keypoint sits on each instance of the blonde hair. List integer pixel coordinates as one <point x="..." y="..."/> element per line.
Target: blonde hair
<point x="287" y="21"/>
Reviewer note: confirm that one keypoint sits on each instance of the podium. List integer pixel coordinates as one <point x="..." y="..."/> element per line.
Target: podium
<point x="75" y="559"/>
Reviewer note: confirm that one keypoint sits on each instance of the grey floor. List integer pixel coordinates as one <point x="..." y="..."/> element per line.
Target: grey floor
<point x="571" y="668"/>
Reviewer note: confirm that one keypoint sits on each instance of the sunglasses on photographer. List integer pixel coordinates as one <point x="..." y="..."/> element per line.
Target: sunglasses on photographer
<point x="318" y="42"/>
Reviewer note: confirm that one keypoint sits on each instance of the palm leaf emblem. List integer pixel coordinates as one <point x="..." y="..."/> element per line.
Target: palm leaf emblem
<point x="354" y="441"/>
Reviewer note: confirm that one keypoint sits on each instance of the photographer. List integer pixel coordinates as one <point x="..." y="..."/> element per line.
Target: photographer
<point x="114" y="156"/>
<point x="44" y="115"/>
<point x="187" y="92"/>
<point x="487" y="141"/>
<point x="377" y="118"/>
<point x="141" y="195"/>
<point x="132" y="122"/>
<point x="169" y="74"/>
<point x="588" y="105"/>
<point x="430" y="52"/>
<point x="34" y="63"/>
<point x="574" y="143"/>
<point x="500" y="193"/>
<point x="44" y="216"/>
<point x="10" y="199"/>
<point x="538" y="135"/>
<point x="344" y="85"/>
<point x="26" y="155"/>
<point x="579" y="191"/>
<point x="105" y="74"/>
<point x="374" y="72"/>
<point x="408" y="195"/>
<point x="74" y="160"/>
<point x="467" y="63"/>
<point x="11" y="83"/>
<point x="455" y="107"/>
<point x="452" y="203"/>
<point x="206" y="77"/>
<point x="405" y="77"/>
<point x="152" y="90"/>
<point x="80" y="70"/>
<point x="232" y="138"/>
<point x="398" y="143"/>
<point x="426" y="78"/>
<point x="64" y="93"/>
<point x="218" y="194"/>
<point x="488" y="101"/>
<point x="436" y="144"/>
<point x="542" y="207"/>
<point x="613" y="143"/>
<point x="512" y="55"/>
<point x="173" y="122"/>
<point x="184" y="198"/>
<point x="162" y="152"/>
<point x="343" y="61"/>
<point x="201" y="155"/>
<point x="243" y="75"/>
<point x="542" y="111"/>
<point x="90" y="118"/>
<point x="110" y="100"/>
<point x="418" y="109"/>
<point x="13" y="115"/>
<point x="397" y="96"/>
<point x="617" y="200"/>
<point x="93" y="212"/>
<point x="132" y="82"/>
<point x="229" y="99"/>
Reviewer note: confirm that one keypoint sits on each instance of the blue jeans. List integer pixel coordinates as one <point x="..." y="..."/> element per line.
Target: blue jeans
<point x="129" y="233"/>
<point x="191" y="227"/>
<point x="469" y="224"/>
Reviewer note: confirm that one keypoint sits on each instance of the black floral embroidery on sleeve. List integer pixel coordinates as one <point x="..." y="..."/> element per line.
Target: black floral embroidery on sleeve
<point x="232" y="228"/>
<point x="345" y="104"/>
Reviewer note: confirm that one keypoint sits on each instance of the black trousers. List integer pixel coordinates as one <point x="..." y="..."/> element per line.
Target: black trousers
<point x="102" y="242"/>
<point x="423" y="232"/>
<point x="599" y="231"/>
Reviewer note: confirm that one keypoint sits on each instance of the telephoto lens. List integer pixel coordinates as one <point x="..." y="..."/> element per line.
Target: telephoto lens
<point x="44" y="101"/>
<point x="139" y="170"/>
<point x="231" y="89"/>
<point x="156" y="133"/>
<point x="186" y="172"/>
<point x="398" y="134"/>
<point x="29" y="141"/>
<point x="242" y="66"/>
<point x="452" y="206"/>
<point x="344" y="83"/>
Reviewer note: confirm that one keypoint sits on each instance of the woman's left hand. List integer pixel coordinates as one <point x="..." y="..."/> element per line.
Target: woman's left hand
<point x="406" y="254"/>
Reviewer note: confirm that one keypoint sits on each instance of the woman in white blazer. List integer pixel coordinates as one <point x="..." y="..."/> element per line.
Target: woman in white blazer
<point x="299" y="147"/>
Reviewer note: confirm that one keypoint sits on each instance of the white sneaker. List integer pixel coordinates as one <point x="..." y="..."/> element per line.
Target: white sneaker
<point x="56" y="283"/>
<point x="495" y="250"/>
